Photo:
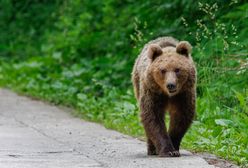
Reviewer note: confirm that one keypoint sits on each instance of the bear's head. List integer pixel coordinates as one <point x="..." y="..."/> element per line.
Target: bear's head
<point x="171" y="67"/>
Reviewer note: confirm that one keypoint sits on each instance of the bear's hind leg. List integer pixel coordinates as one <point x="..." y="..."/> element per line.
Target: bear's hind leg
<point x="181" y="117"/>
<point x="151" y="149"/>
<point x="178" y="127"/>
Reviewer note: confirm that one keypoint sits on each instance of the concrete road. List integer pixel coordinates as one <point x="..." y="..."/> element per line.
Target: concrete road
<point x="36" y="135"/>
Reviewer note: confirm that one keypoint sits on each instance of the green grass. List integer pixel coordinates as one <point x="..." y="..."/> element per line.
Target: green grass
<point x="77" y="55"/>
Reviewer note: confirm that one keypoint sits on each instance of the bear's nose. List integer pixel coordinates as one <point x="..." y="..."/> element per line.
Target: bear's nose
<point x="171" y="86"/>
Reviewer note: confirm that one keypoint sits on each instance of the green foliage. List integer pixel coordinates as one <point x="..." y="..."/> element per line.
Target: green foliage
<point x="80" y="54"/>
<point x="22" y="25"/>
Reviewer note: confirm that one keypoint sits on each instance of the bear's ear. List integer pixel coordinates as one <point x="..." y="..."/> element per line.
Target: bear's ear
<point x="184" y="48"/>
<point x="154" y="51"/>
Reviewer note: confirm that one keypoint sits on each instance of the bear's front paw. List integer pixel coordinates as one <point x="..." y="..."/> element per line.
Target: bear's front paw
<point x="169" y="154"/>
<point x="176" y="153"/>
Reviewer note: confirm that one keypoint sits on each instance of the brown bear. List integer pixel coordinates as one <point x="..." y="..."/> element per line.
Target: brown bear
<point x="164" y="79"/>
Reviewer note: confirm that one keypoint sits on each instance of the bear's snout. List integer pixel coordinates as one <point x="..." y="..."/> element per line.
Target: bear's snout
<point x="171" y="82"/>
<point x="171" y="87"/>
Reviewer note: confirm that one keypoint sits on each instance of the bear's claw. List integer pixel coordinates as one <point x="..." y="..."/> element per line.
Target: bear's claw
<point x="170" y="154"/>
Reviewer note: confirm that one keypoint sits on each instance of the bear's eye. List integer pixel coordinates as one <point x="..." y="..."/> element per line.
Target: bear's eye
<point x="177" y="70"/>
<point x="163" y="71"/>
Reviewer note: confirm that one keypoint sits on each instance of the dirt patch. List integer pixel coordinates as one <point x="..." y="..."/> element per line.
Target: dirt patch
<point x="217" y="162"/>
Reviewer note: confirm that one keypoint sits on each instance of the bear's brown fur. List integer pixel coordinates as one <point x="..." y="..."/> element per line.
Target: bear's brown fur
<point x="164" y="79"/>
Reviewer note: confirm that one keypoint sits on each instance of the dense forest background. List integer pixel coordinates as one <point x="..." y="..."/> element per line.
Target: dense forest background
<point x="80" y="54"/>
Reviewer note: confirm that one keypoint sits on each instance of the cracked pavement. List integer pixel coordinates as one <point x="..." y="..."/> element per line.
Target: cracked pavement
<point x="34" y="134"/>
